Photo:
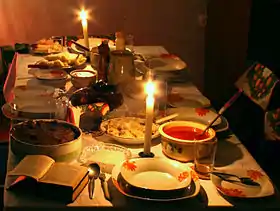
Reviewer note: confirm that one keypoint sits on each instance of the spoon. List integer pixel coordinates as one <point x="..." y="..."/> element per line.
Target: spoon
<point x="104" y="186"/>
<point x="94" y="171"/>
<point x="223" y="109"/>
<point x="243" y="180"/>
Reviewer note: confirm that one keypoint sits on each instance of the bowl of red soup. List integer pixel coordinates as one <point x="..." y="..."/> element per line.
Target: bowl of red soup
<point x="178" y="138"/>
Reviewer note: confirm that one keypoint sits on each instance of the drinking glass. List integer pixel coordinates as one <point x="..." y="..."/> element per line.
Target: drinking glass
<point x="204" y="157"/>
<point x="130" y="42"/>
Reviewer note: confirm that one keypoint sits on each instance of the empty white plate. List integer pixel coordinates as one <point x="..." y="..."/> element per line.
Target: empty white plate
<point x="202" y="115"/>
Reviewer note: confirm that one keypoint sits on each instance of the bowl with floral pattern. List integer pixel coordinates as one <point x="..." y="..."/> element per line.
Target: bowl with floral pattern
<point x="152" y="176"/>
<point x="240" y="190"/>
<point x="178" y="139"/>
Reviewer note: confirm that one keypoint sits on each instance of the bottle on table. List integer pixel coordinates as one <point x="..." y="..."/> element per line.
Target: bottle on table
<point x="104" y="61"/>
<point x="120" y="41"/>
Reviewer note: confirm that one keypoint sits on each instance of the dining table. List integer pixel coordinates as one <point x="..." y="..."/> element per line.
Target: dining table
<point x="231" y="154"/>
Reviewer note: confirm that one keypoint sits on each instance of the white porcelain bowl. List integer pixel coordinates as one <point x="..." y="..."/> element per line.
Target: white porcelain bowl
<point x="83" y="78"/>
<point x="156" y="174"/>
<point x="180" y="149"/>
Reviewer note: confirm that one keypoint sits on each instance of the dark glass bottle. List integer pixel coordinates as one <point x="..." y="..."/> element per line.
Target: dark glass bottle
<point x="104" y="61"/>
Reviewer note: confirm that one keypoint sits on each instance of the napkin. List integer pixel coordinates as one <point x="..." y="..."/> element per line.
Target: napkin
<point x="258" y="83"/>
<point x="272" y="125"/>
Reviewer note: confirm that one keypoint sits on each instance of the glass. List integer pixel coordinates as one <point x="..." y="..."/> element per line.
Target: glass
<point x="130" y="42"/>
<point x="161" y="96"/>
<point x="204" y="157"/>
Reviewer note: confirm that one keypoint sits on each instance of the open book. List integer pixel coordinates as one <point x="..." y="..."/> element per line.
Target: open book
<point x="59" y="180"/>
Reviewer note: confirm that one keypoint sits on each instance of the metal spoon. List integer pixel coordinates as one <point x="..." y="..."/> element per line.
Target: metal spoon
<point x="93" y="174"/>
<point x="243" y="180"/>
<point x="104" y="186"/>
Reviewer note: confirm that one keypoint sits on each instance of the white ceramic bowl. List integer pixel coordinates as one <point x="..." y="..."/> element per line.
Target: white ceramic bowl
<point x="157" y="174"/>
<point x="83" y="78"/>
<point x="60" y="152"/>
<point x="179" y="149"/>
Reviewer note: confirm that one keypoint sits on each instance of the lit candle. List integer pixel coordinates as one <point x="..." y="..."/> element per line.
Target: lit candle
<point x="150" y="101"/>
<point x="83" y="17"/>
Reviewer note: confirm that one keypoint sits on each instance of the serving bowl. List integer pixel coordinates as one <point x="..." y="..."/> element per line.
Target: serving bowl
<point x="178" y="139"/>
<point x="83" y="78"/>
<point x="153" y="176"/>
<point x="55" y="138"/>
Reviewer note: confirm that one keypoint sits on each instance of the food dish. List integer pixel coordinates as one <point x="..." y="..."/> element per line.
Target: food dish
<point x="44" y="133"/>
<point x="183" y="149"/>
<point x="46" y="46"/>
<point x="240" y="190"/>
<point x="55" y="138"/>
<point x="191" y="191"/>
<point x="60" y="61"/>
<point x="128" y="130"/>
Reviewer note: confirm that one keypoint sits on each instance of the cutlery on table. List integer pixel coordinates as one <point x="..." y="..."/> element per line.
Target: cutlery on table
<point x="94" y="172"/>
<point x="223" y="109"/>
<point x="166" y="118"/>
<point x="104" y="186"/>
<point x="81" y="46"/>
<point x="243" y="180"/>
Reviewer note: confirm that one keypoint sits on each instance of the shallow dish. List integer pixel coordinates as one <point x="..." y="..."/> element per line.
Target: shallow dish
<point x="166" y="63"/>
<point x="106" y="155"/>
<point x="244" y="191"/>
<point x="29" y="91"/>
<point x="58" y="139"/>
<point x="157" y="174"/>
<point x="127" y="126"/>
<point x="51" y="74"/>
<point x="177" y="100"/>
<point x="201" y="115"/>
<point x="191" y="191"/>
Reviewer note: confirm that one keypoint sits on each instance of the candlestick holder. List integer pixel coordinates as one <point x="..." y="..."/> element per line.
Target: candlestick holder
<point x="146" y="155"/>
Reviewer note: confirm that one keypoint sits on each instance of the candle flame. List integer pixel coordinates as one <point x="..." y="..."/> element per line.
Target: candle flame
<point x="150" y="88"/>
<point x="83" y="15"/>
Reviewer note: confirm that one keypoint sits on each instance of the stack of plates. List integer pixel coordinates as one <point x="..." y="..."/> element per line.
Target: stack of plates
<point x="156" y="179"/>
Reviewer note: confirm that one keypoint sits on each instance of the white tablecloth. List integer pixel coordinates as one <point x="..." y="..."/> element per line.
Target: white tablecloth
<point x="231" y="154"/>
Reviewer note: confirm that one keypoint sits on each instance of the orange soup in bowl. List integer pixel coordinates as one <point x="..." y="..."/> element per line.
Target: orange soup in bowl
<point x="185" y="133"/>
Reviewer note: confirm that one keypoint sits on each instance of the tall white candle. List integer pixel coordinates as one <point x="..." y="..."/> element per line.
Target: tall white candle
<point x="83" y="16"/>
<point x="150" y="101"/>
